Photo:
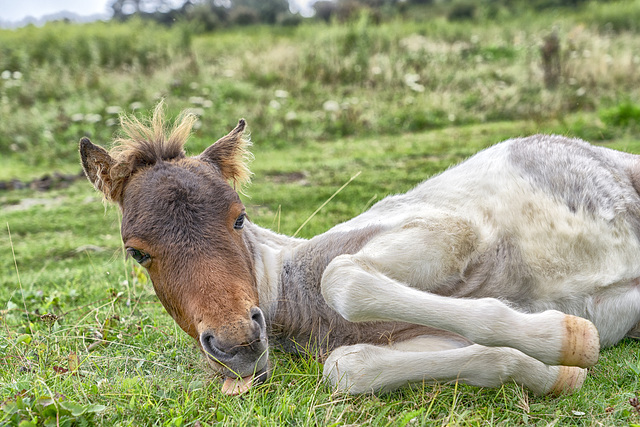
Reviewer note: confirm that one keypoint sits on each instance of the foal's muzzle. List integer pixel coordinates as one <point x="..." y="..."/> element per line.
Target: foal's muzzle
<point x="240" y="351"/>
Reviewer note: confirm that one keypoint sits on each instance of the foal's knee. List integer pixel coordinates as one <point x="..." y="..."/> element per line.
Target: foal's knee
<point x="344" y="288"/>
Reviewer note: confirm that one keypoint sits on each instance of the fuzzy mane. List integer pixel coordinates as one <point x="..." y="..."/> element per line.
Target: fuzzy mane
<point x="145" y="143"/>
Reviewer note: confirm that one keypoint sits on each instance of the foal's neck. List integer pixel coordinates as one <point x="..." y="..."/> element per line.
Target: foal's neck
<point x="289" y="273"/>
<point x="269" y="250"/>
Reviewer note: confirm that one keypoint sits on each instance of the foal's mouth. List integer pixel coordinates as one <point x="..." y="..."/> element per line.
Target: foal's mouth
<point x="234" y="386"/>
<point x="234" y="382"/>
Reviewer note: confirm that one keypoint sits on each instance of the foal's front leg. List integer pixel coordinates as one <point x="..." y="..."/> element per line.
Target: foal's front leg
<point x="359" y="293"/>
<point x="365" y="368"/>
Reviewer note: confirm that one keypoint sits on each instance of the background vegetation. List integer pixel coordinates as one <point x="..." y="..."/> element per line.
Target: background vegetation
<point x="398" y="94"/>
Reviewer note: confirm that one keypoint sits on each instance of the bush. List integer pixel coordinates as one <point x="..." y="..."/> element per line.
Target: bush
<point x="625" y="114"/>
<point x="615" y="16"/>
<point x="462" y="12"/>
<point x="324" y="10"/>
<point x="108" y="45"/>
<point x="244" y="16"/>
<point x="204" y="17"/>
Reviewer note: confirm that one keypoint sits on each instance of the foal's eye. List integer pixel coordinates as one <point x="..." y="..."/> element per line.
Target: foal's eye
<point x="140" y="256"/>
<point x="239" y="224"/>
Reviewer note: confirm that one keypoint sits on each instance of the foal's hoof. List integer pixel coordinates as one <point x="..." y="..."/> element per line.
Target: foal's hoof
<point x="570" y="379"/>
<point x="581" y="343"/>
<point x="345" y="369"/>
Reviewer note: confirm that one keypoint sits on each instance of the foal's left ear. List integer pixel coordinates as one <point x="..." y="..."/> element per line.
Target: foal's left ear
<point x="230" y="155"/>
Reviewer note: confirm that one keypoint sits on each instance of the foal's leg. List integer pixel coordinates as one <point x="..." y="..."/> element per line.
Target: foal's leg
<point x="634" y="333"/>
<point x="359" y="293"/>
<point x="365" y="368"/>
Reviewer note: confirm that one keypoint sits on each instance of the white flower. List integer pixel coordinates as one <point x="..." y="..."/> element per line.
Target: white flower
<point x="581" y="91"/>
<point x="274" y="104"/>
<point x="17" y="75"/>
<point x="331" y="106"/>
<point x="135" y="105"/>
<point x="92" y="118"/>
<point x="414" y="43"/>
<point x="113" y="109"/>
<point x="78" y="117"/>
<point x="290" y="116"/>
<point x="410" y="78"/>
<point x="196" y="111"/>
<point x="6" y="75"/>
<point x="207" y="103"/>
<point x="281" y="94"/>
<point x="197" y="100"/>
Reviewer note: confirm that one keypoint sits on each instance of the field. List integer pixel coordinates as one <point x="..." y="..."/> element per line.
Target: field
<point x="84" y="340"/>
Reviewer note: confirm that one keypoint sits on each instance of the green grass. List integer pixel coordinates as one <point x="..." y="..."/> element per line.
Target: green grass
<point x="84" y="340"/>
<point x="148" y="372"/>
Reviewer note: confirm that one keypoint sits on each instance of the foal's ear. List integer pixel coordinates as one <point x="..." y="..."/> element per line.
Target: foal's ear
<point x="230" y="155"/>
<point x="97" y="164"/>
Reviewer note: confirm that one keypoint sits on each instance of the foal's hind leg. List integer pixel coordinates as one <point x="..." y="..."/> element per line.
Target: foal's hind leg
<point x="634" y="333"/>
<point x="359" y="293"/>
<point x="365" y="368"/>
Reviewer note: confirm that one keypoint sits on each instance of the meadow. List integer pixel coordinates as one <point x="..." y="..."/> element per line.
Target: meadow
<point x="84" y="340"/>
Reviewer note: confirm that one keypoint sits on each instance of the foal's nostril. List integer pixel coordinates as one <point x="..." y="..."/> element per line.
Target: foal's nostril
<point x="211" y="346"/>
<point x="259" y="326"/>
<point x="258" y="317"/>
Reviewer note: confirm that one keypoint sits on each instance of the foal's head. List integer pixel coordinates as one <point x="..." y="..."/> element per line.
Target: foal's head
<point x="183" y="222"/>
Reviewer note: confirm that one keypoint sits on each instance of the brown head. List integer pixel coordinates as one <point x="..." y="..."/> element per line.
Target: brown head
<point x="183" y="221"/>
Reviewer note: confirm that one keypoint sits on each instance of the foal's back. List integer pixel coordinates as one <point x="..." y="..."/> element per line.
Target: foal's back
<point x="552" y="222"/>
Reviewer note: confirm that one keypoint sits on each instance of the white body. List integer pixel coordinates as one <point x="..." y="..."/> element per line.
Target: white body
<point x="499" y="250"/>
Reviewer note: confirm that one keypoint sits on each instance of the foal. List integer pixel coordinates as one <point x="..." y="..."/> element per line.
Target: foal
<point x="484" y="274"/>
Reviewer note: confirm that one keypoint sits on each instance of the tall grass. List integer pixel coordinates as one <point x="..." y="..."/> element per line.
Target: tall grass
<point x="315" y="81"/>
<point x="58" y="82"/>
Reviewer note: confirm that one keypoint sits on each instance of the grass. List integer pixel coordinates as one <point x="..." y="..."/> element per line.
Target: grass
<point x="110" y="349"/>
<point x="84" y="340"/>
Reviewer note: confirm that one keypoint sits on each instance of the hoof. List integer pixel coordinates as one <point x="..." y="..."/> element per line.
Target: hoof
<point x="570" y="379"/>
<point x="581" y="343"/>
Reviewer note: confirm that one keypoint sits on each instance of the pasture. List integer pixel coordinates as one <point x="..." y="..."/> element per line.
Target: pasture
<point x="84" y="340"/>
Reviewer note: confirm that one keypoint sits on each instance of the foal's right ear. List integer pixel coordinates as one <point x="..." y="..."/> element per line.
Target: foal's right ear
<point x="97" y="164"/>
